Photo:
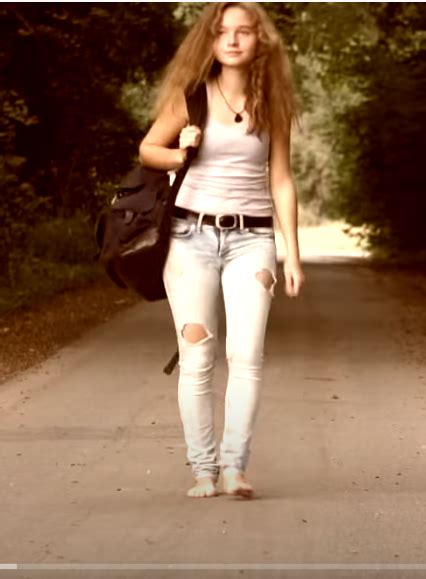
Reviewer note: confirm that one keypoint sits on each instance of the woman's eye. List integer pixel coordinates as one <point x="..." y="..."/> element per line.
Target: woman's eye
<point x="242" y="32"/>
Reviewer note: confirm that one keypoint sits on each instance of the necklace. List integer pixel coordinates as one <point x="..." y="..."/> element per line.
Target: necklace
<point x="238" y="115"/>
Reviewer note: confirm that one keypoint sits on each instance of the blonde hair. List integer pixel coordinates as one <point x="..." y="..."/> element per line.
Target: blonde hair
<point x="270" y="94"/>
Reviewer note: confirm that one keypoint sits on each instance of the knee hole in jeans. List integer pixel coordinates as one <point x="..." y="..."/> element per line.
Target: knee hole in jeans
<point x="194" y="333"/>
<point x="266" y="278"/>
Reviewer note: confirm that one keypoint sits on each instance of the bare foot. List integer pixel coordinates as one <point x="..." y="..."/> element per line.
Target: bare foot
<point x="204" y="487"/>
<point x="235" y="483"/>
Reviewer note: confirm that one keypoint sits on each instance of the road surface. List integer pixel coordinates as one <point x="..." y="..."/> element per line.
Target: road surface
<point x="93" y="463"/>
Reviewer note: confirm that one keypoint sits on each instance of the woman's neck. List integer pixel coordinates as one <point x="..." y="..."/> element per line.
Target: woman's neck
<point x="233" y="81"/>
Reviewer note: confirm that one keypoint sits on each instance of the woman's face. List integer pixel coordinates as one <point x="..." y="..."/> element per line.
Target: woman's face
<point x="236" y="41"/>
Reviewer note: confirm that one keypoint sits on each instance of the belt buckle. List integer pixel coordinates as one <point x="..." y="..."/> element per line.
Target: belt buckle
<point x="219" y="218"/>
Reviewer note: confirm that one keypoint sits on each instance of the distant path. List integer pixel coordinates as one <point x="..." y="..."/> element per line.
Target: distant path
<point x="92" y="465"/>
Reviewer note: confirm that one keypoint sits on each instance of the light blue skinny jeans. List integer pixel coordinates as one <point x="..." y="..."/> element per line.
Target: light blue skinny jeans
<point x="203" y="259"/>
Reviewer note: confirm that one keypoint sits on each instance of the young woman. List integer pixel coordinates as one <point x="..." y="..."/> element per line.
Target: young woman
<point x="222" y="235"/>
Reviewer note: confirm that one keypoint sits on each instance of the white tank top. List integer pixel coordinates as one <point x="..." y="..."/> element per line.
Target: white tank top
<point x="230" y="173"/>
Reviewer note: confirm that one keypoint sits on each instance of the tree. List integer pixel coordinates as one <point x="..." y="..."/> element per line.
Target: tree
<point x="362" y="69"/>
<point x="64" y="129"/>
<point x="387" y="183"/>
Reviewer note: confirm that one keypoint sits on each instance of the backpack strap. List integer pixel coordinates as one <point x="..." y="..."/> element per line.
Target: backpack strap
<point x="196" y="103"/>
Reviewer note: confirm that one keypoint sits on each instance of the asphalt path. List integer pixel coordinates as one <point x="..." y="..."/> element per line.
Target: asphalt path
<point x="93" y="467"/>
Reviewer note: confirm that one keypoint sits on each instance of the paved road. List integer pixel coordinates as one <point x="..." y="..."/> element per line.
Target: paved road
<point x="93" y="463"/>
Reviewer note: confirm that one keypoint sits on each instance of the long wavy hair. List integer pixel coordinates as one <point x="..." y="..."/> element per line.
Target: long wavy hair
<point x="270" y="94"/>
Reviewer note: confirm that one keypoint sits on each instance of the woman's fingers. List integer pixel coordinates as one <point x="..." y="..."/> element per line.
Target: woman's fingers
<point x="189" y="137"/>
<point x="294" y="280"/>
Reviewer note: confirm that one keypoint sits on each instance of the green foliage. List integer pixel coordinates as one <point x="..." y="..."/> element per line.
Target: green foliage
<point x="361" y="71"/>
<point x="387" y="186"/>
<point x="187" y="12"/>
<point x="37" y="278"/>
<point x="67" y="65"/>
<point x="17" y="209"/>
<point x="54" y="255"/>
<point x="136" y="100"/>
<point x="66" y="240"/>
<point x="383" y="186"/>
<point x="74" y="84"/>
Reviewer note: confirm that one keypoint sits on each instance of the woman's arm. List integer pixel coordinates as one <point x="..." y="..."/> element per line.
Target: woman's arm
<point x="285" y="203"/>
<point x="154" y="150"/>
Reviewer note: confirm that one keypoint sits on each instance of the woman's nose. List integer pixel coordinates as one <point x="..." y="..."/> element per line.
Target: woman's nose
<point x="232" y="39"/>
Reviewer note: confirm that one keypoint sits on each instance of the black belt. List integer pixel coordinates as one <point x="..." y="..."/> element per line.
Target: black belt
<point x="225" y="221"/>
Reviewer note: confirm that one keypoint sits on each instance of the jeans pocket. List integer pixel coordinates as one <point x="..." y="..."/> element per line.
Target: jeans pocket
<point x="181" y="228"/>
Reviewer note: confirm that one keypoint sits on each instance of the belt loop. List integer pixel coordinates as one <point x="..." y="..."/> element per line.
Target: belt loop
<point x="241" y="217"/>
<point x="200" y="222"/>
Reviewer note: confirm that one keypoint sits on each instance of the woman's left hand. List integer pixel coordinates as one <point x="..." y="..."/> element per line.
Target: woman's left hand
<point x="294" y="278"/>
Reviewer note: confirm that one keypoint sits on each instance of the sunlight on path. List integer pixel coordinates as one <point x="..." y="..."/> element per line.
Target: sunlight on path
<point x="324" y="242"/>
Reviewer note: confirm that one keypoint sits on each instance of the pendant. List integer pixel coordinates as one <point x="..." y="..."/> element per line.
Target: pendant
<point x="238" y="118"/>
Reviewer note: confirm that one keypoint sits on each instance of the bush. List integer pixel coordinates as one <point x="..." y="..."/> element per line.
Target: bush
<point x="58" y="254"/>
<point x="68" y="241"/>
<point x="36" y="279"/>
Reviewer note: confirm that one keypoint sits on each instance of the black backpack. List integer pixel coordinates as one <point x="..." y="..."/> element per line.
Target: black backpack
<point x="133" y="235"/>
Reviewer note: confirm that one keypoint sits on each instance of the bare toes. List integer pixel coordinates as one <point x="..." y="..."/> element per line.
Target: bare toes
<point x="204" y="488"/>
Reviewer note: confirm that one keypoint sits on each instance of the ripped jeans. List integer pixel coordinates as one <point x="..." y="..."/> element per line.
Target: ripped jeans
<point x="201" y="261"/>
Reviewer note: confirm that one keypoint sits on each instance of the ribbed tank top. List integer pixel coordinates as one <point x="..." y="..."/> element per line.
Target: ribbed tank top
<point x="229" y="174"/>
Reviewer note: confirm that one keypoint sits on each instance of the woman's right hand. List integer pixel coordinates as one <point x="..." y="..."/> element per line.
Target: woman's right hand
<point x="190" y="136"/>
